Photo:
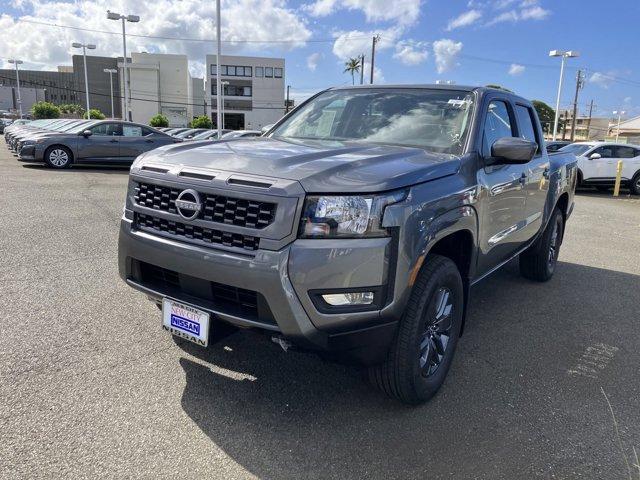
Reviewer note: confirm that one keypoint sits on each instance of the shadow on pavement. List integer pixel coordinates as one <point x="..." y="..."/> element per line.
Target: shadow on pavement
<point x="507" y="410"/>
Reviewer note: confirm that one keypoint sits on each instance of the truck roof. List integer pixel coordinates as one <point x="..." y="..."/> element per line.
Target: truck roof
<point x="432" y="86"/>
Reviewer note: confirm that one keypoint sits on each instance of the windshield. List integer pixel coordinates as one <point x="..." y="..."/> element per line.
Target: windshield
<point x="436" y="120"/>
<point x="576" y="148"/>
<point x="205" y="135"/>
<point x="81" y="127"/>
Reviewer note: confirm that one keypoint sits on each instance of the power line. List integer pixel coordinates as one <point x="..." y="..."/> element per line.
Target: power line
<point x="186" y="39"/>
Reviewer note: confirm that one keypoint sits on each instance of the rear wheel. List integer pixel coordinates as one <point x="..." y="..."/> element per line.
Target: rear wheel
<point x="538" y="262"/>
<point x="58" y="157"/>
<point x="427" y="337"/>
<point x="635" y="184"/>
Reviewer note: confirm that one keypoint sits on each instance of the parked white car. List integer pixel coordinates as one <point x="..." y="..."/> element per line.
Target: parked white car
<point x="598" y="161"/>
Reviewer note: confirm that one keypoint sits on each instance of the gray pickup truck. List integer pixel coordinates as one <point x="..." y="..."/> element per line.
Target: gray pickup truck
<point x="355" y="227"/>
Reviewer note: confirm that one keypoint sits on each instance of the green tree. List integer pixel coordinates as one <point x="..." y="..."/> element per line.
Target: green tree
<point x="159" y="121"/>
<point x="352" y="66"/>
<point x="95" y="114"/>
<point x="44" y="110"/>
<point x="546" y="114"/>
<point x="201" y="122"/>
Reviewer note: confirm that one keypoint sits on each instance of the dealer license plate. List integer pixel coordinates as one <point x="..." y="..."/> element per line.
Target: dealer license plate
<point x="185" y="321"/>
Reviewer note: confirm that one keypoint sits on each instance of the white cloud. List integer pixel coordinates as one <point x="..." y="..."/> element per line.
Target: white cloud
<point x="534" y="13"/>
<point x="321" y="8"/>
<point x="464" y="19"/>
<point x="357" y="42"/>
<point x="600" y="79"/>
<point x="312" y="61"/>
<point x="410" y="52"/>
<point x="525" y="10"/>
<point x="446" y="53"/>
<point x="516" y="69"/>
<point x="403" y="12"/>
<point x="46" y="46"/>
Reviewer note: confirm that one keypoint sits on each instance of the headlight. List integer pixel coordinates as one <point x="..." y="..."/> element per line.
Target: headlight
<point x="346" y="216"/>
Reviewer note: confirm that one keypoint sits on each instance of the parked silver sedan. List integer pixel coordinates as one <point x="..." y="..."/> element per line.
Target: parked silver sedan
<point x="105" y="141"/>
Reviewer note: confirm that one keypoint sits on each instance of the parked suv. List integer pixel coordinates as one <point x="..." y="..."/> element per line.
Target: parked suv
<point x="598" y="164"/>
<point x="355" y="227"/>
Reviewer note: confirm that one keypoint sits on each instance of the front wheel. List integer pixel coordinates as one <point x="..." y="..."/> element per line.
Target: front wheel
<point x="58" y="157"/>
<point x="635" y="184"/>
<point x="423" y="349"/>
<point x="539" y="261"/>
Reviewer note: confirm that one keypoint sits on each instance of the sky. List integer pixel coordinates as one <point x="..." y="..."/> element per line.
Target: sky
<point x="471" y="42"/>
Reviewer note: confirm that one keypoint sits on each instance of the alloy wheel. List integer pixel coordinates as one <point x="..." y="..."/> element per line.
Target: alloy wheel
<point x="436" y="336"/>
<point x="58" y="157"/>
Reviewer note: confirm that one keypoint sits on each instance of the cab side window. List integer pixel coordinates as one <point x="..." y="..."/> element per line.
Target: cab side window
<point x="525" y="124"/>
<point x="497" y="125"/>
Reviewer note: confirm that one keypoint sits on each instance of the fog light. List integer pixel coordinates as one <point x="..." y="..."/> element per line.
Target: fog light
<point x="354" y="298"/>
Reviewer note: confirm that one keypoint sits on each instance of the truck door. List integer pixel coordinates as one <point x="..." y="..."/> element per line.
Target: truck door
<point x="537" y="172"/>
<point x="503" y="209"/>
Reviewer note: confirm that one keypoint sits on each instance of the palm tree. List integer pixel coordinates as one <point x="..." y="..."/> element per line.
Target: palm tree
<point x="352" y="66"/>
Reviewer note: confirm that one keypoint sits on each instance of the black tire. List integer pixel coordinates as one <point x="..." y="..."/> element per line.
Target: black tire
<point x="427" y="336"/>
<point x="58" y="156"/>
<point x="635" y="184"/>
<point x="539" y="261"/>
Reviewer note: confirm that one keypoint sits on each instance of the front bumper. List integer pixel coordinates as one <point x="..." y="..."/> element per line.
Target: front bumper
<point x="27" y="153"/>
<point x="283" y="278"/>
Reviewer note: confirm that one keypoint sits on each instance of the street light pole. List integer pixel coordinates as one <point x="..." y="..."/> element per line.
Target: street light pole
<point x="18" y="62"/>
<point x="564" y="55"/>
<point x="86" y="81"/>
<point x="111" y="71"/>
<point x="218" y="84"/>
<point x="619" y="113"/>
<point x="223" y="83"/>
<point x="134" y="19"/>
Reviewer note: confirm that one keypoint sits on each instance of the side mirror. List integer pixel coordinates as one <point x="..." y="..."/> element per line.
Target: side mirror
<point x="513" y="150"/>
<point x="595" y="156"/>
<point x="86" y="133"/>
<point x="266" y="128"/>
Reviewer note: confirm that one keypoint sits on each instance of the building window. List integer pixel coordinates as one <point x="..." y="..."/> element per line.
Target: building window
<point x="277" y="72"/>
<point x="214" y="70"/>
<point x="268" y="72"/>
<point x="248" y="72"/>
<point x="236" y="91"/>
<point x="259" y="72"/>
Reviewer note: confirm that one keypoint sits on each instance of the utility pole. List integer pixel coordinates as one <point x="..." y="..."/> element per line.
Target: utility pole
<point x="376" y="39"/>
<point x="361" y="69"/>
<point x="564" y="124"/>
<point x="589" y="120"/>
<point x="286" y="104"/>
<point x="579" y="85"/>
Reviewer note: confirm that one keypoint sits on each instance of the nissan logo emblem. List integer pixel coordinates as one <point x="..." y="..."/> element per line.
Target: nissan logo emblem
<point x="188" y="204"/>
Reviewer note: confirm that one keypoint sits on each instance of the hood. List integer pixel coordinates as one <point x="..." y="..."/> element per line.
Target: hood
<point x="319" y="166"/>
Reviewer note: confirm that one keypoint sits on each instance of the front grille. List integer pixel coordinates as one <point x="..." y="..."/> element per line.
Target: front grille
<point x="217" y="208"/>
<point x="194" y="232"/>
<point x="240" y="302"/>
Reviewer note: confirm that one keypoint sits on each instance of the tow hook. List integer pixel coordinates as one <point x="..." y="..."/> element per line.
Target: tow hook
<point x="285" y="344"/>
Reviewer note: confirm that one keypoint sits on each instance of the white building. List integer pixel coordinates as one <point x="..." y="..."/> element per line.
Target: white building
<point x="254" y="95"/>
<point x="161" y="83"/>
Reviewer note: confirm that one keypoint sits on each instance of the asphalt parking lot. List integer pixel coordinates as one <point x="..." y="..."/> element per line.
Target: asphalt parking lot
<point x="90" y="386"/>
